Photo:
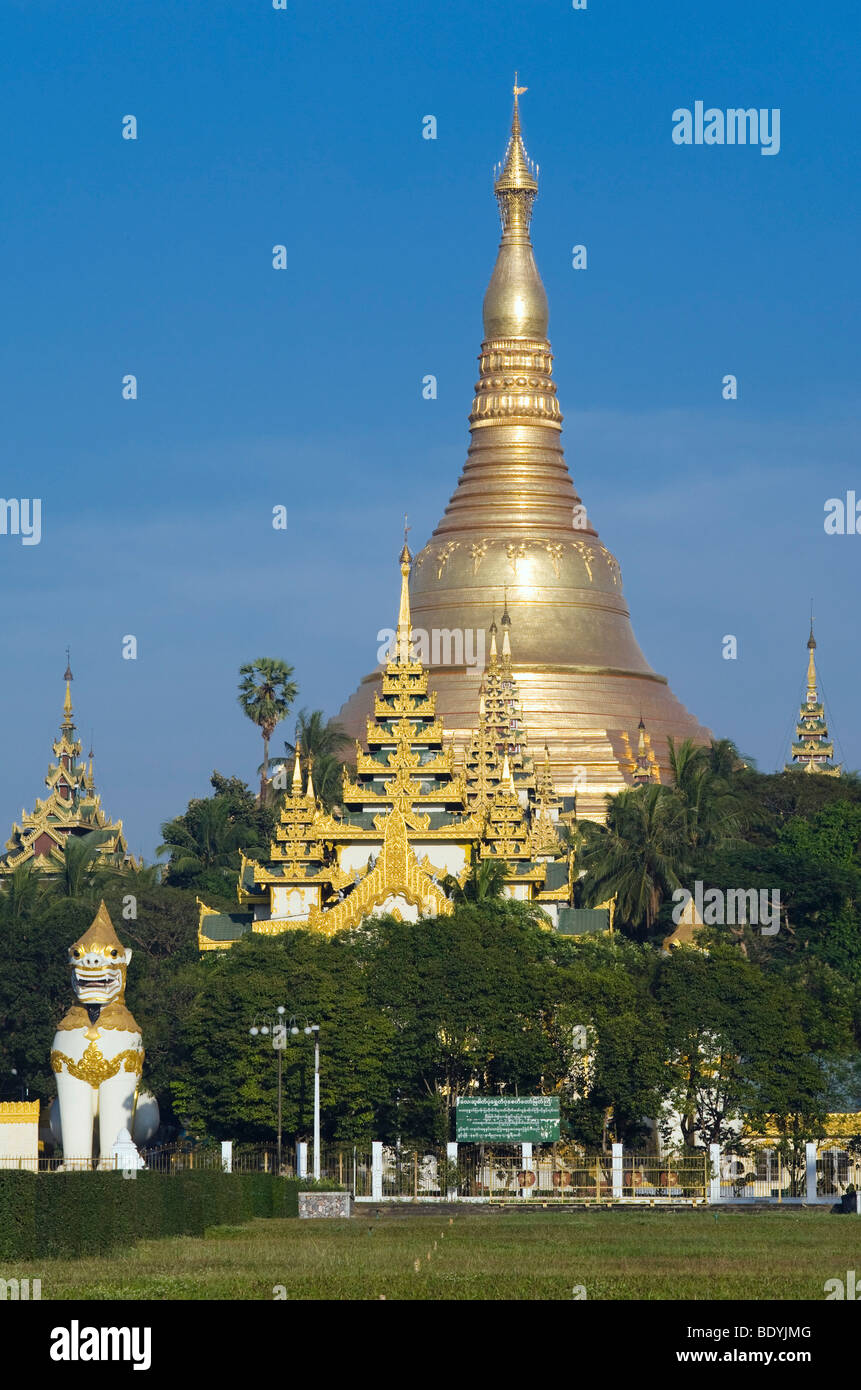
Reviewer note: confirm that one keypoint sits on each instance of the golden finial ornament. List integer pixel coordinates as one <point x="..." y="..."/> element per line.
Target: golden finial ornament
<point x="515" y="305"/>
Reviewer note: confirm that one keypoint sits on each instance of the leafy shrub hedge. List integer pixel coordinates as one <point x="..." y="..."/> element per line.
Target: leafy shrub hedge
<point x="72" y="1214"/>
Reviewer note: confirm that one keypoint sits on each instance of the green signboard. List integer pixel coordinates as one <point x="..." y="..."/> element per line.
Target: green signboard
<point x="507" y="1119"/>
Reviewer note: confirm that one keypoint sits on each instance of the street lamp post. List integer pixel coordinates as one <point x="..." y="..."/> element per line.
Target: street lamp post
<point x="279" y="1040"/>
<point x="314" y="1028"/>
<point x="278" y="1029"/>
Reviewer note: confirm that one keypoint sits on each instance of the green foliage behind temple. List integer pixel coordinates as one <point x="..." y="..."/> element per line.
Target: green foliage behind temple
<point x="487" y="1000"/>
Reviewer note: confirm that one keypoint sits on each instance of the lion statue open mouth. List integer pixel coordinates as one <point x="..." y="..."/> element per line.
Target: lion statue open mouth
<point x="98" y="1051"/>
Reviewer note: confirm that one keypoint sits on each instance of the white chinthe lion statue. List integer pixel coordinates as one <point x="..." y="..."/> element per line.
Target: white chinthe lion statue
<point x="98" y="1053"/>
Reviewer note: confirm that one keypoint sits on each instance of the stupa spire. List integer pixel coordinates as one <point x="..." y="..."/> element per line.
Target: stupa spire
<point x="645" y="769"/>
<point x="506" y="631"/>
<point x="515" y="305"/>
<point x="67" y="702"/>
<point x="811" y="664"/>
<point x="404" y="631"/>
<point x="812" y="750"/>
<point x="71" y="808"/>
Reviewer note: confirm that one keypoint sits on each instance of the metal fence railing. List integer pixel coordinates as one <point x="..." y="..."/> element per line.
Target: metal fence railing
<point x="336" y="1164"/>
<point x="649" y="1177"/>
<point x="55" y="1164"/>
<point x="552" y="1173"/>
<point x="767" y="1175"/>
<point x="247" y="1158"/>
<point x="762" y="1174"/>
<point x="480" y="1173"/>
<point x="837" y="1169"/>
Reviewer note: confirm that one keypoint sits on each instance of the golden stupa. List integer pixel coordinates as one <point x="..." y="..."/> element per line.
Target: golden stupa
<point x="516" y="534"/>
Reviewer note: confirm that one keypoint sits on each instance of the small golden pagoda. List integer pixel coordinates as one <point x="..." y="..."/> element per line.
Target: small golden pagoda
<point x="412" y="822"/>
<point x="73" y="808"/>
<point x="812" y="750"/>
<point x="501" y="731"/>
<point x="644" y="768"/>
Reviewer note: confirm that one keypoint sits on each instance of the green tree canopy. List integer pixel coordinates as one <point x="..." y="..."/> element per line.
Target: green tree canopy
<point x="639" y="856"/>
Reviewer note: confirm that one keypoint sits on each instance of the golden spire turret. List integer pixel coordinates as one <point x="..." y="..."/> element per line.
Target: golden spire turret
<point x="72" y="807"/>
<point x="812" y="750"/>
<point x="309" y="790"/>
<point x="545" y="790"/>
<point x="644" y="771"/>
<point x="506" y="779"/>
<point x="67" y="702"/>
<point x="297" y="774"/>
<point x="811" y="666"/>
<point x="404" y="631"/>
<point x="501" y="731"/>
<point x="506" y="632"/>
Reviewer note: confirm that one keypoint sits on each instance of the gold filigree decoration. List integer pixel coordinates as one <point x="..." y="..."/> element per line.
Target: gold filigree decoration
<point x="113" y="1015"/>
<point x="555" y="553"/>
<point x="516" y="551"/>
<point x="396" y="872"/>
<point x="478" y="550"/>
<point x="543" y="838"/>
<point x="442" y="556"/>
<point x="586" y="553"/>
<point x="19" y="1112"/>
<point x="95" y="1068"/>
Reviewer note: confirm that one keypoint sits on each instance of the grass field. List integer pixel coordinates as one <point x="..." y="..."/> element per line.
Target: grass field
<point x="614" y="1254"/>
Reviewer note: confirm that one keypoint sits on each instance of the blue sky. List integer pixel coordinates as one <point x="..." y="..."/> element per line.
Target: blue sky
<point x="303" y="387"/>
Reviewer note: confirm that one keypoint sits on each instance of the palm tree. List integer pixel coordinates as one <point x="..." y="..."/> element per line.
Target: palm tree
<point x="486" y="881"/>
<point x="204" y="838"/>
<point x="266" y="693"/>
<point x="639" y="855"/>
<point x="22" y="890"/>
<point x="140" y="876"/>
<point x="703" y="781"/>
<point x="321" y="740"/>
<point x="81" y="873"/>
<point x="725" y="759"/>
